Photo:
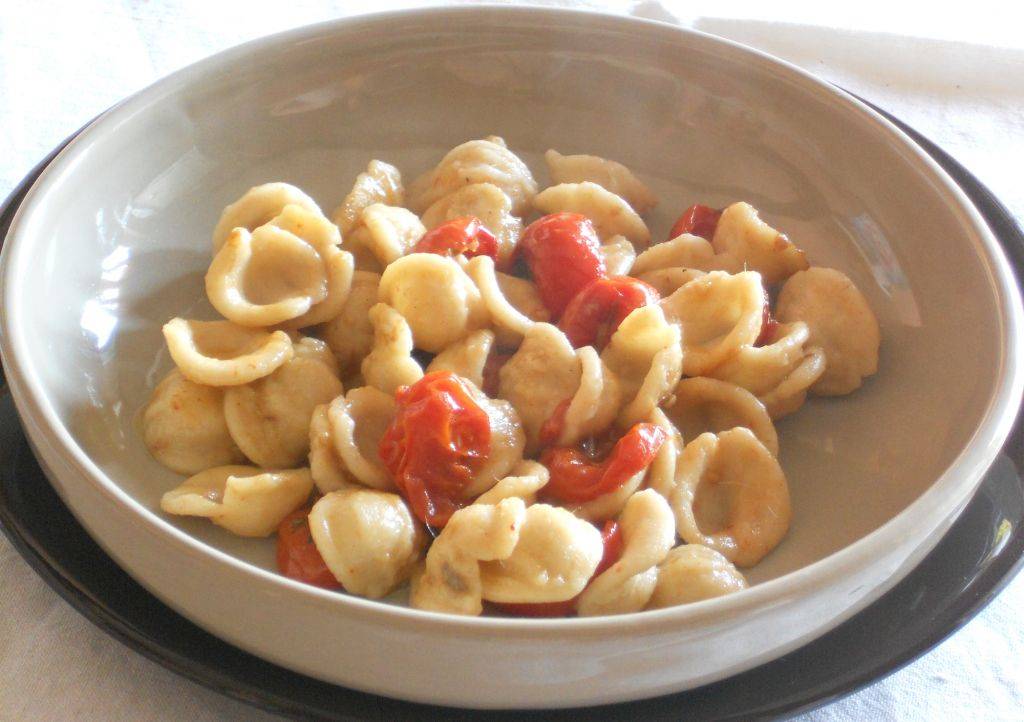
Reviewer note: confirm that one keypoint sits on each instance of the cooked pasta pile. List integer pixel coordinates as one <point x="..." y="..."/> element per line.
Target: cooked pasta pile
<point x="554" y="419"/>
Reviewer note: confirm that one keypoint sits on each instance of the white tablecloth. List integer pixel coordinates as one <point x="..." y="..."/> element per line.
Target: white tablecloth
<point x="956" y="75"/>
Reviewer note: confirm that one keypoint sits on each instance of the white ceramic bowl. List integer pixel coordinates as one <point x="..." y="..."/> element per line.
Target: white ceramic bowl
<point x="114" y="239"/>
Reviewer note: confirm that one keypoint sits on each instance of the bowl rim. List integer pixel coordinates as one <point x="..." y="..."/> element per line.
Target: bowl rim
<point x="946" y="493"/>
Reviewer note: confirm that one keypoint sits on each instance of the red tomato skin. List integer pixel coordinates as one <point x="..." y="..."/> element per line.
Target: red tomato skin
<point x="437" y="441"/>
<point x="611" y="536"/>
<point x="769" y="326"/>
<point x="465" y="235"/>
<point x="492" y="367"/>
<point x="697" y="220"/>
<point x="563" y="254"/>
<point x="595" y="312"/>
<point x="297" y="555"/>
<point x="551" y="429"/>
<point x="576" y="478"/>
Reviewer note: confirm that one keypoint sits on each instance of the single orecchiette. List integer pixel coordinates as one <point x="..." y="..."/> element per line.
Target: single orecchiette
<point x="184" y="427"/>
<point x="526" y="479"/>
<point x="840" y="322"/>
<point x="380" y="183"/>
<point x="541" y="374"/>
<point x="244" y="500"/>
<point x="646" y="356"/>
<point x="221" y="353"/>
<point x="553" y="559"/>
<point x="610" y="214"/>
<point x="390" y="363"/>
<point x="258" y="206"/>
<point x="692" y="573"/>
<point x="478" y="161"/>
<point x="731" y="496"/>
<point x="382" y="235"/>
<point x="719" y="314"/>
<point x="356" y="423"/>
<point x="269" y="418"/>
<point x="350" y="333"/>
<point x="435" y="296"/>
<point x="619" y="255"/>
<point x="513" y="303"/>
<point x="648" y="533"/>
<point x="704" y="404"/>
<point x="450" y="579"/>
<point x="368" y="539"/>
<point x="743" y="236"/>
<point x="486" y="202"/>
<point x="608" y="174"/>
<point x="685" y="251"/>
<point x="791" y="392"/>
<point x="667" y="281"/>
<point x="466" y="357"/>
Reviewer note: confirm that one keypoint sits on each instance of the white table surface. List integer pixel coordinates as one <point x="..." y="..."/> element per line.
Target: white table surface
<point x="956" y="75"/>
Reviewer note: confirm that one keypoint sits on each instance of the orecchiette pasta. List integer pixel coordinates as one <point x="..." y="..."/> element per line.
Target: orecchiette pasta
<point x="221" y="353"/>
<point x="553" y="558"/>
<point x="466" y="357"/>
<point x="436" y="394"/>
<point x="478" y="161"/>
<point x="383" y="235"/>
<point x="619" y="255"/>
<point x="705" y="404"/>
<point x="608" y="174"/>
<point x="244" y="500"/>
<point x="269" y="418"/>
<point x="731" y="496"/>
<point x="610" y="214"/>
<point x="369" y="539"/>
<point x="450" y="580"/>
<point x="184" y="427"/>
<point x="692" y="573"/>
<point x="380" y="183"/>
<point x="258" y="206"/>
<point x="488" y="203"/>
<point x="840" y="322"/>
<point x="755" y="245"/>
<point x="648" y="532"/>
<point x="390" y="363"/>
<point x="438" y="300"/>
<point x="719" y="313"/>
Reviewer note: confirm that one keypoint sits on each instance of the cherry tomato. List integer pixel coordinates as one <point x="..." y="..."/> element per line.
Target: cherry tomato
<point x="465" y="235"/>
<point x="697" y="220"/>
<point x="611" y="535"/>
<point x="551" y="429"/>
<point x="297" y="555"/>
<point x="563" y="254"/>
<point x="437" y="442"/>
<point x="595" y="313"/>
<point x="769" y="326"/>
<point x="495" y="360"/>
<point x="577" y="478"/>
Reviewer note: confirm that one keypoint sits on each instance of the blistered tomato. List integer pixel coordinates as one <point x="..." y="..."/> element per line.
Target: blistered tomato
<point x="697" y="220"/>
<point x="577" y="478"/>
<point x="297" y="555"/>
<point x="595" y="313"/>
<point x="611" y="535"/>
<point x="563" y="254"/>
<point x="439" y="439"/>
<point x="465" y="235"/>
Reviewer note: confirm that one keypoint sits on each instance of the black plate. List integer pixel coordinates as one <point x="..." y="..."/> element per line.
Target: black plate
<point x="976" y="559"/>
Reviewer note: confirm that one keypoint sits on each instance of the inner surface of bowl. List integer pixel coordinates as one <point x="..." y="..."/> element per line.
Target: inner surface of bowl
<point x="125" y="239"/>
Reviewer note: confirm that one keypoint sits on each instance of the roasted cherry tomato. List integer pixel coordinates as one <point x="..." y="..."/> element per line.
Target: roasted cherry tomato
<point x="466" y="235"/>
<point x="595" y="313"/>
<point x="437" y="442"/>
<point x="297" y="555"/>
<point x="577" y="478"/>
<point x="769" y="326"/>
<point x="551" y="429"/>
<point x="697" y="220"/>
<point x="611" y="535"/>
<point x="563" y="254"/>
<point x="495" y="360"/>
